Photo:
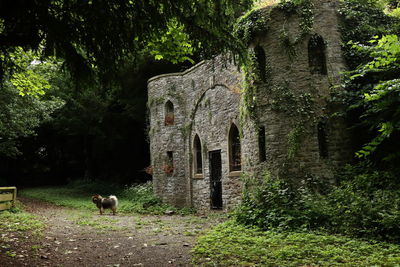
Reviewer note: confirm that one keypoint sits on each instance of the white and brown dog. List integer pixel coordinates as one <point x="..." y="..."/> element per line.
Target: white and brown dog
<point x="105" y="203"/>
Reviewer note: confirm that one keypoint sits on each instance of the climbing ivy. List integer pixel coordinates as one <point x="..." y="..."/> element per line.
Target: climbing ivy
<point x="252" y="23"/>
<point x="282" y="98"/>
<point x="304" y="9"/>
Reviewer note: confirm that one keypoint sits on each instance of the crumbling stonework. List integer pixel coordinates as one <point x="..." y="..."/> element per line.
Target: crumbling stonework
<point x="286" y="129"/>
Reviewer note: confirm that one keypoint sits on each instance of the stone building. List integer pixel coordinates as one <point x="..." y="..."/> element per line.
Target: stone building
<point x="213" y="122"/>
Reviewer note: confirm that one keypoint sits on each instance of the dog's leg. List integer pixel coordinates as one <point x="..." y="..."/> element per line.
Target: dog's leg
<point x="101" y="211"/>
<point x="114" y="210"/>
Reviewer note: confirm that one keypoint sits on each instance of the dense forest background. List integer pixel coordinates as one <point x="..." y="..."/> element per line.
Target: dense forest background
<point x="74" y="81"/>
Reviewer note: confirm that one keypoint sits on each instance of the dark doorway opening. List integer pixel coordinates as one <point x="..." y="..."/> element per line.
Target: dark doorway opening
<point x="215" y="179"/>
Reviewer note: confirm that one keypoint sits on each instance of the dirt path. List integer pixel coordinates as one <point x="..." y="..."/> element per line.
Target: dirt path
<point x="78" y="238"/>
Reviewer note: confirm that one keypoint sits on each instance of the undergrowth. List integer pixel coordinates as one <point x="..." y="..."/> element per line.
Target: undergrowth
<point x="364" y="204"/>
<point x="231" y="244"/>
<point x="137" y="198"/>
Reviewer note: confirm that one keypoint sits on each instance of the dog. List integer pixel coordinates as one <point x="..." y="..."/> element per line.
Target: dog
<point x="105" y="203"/>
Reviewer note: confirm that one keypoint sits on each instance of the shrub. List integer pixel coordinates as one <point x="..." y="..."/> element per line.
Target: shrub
<point x="230" y="244"/>
<point x="364" y="204"/>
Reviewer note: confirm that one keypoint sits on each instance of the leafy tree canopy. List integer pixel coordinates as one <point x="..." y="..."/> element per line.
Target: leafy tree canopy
<point x="100" y="34"/>
<point x="23" y="104"/>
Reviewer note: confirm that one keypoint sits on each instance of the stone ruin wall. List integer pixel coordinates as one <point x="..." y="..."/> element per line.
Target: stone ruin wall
<point x="206" y="99"/>
<point x="293" y="75"/>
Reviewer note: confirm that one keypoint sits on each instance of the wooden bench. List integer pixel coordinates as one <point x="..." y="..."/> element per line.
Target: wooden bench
<point x="8" y="195"/>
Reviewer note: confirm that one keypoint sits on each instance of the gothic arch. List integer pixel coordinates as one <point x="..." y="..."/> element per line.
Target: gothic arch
<point x="197" y="155"/>
<point x="169" y="113"/>
<point x="235" y="158"/>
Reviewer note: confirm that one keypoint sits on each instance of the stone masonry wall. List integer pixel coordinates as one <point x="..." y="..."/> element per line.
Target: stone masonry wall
<point x="289" y="103"/>
<point x="206" y="100"/>
<point x="292" y="100"/>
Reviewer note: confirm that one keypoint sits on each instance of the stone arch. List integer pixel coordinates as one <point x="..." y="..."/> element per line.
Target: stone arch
<point x="235" y="162"/>
<point x="197" y="155"/>
<point x="169" y="118"/>
<point x="316" y="55"/>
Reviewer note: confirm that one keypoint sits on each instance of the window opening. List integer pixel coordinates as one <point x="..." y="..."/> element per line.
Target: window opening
<point x="169" y="164"/>
<point x="169" y="113"/>
<point x="316" y="55"/>
<point x="261" y="62"/>
<point x="198" y="162"/>
<point x="322" y="139"/>
<point x="234" y="149"/>
<point x="261" y="144"/>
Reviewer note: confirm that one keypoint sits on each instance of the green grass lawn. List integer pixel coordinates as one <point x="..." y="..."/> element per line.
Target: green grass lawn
<point x="78" y="195"/>
<point x="230" y="244"/>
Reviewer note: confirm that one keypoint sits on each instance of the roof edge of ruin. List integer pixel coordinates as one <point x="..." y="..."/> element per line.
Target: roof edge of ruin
<point x="176" y="73"/>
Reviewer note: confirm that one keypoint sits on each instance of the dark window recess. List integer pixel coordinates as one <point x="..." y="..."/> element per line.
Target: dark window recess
<point x="316" y="55"/>
<point x="234" y="149"/>
<point x="215" y="179"/>
<point x="261" y="62"/>
<point x="261" y="144"/>
<point x="198" y="157"/>
<point x="169" y="164"/>
<point x="169" y="113"/>
<point x="322" y="139"/>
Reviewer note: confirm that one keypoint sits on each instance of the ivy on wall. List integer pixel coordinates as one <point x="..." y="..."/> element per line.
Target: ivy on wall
<point x="297" y="106"/>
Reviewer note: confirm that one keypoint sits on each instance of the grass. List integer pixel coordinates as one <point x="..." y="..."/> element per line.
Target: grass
<point x="230" y="244"/>
<point x="17" y="220"/>
<point x="133" y="199"/>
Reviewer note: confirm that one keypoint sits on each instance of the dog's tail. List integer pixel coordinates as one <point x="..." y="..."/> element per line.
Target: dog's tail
<point x="112" y="197"/>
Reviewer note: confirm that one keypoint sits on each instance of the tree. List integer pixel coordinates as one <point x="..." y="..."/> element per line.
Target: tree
<point x="379" y="97"/>
<point x="23" y="106"/>
<point x="100" y="34"/>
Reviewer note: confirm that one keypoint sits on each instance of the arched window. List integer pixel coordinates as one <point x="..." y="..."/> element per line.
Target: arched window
<point x="169" y="113"/>
<point x="261" y="62"/>
<point x="322" y="139"/>
<point x="316" y="55"/>
<point x="261" y="144"/>
<point x="198" y="161"/>
<point x="235" y="163"/>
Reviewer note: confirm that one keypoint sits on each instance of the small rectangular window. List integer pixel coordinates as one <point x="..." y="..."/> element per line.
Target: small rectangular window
<point x="261" y="144"/>
<point x="169" y="164"/>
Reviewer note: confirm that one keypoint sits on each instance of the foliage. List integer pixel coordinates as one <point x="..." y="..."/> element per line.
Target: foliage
<point x="364" y="204"/>
<point x="95" y="37"/>
<point x="230" y="244"/>
<point x="372" y="86"/>
<point x="172" y="44"/>
<point x="132" y="199"/>
<point x="24" y="105"/>
<point x="304" y="8"/>
<point x="271" y="203"/>
<point x="253" y="23"/>
<point x="379" y="98"/>
<point x="361" y="21"/>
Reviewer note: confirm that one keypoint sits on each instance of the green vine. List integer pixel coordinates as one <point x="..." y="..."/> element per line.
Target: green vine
<point x="251" y="24"/>
<point x="294" y="139"/>
<point x="304" y="9"/>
